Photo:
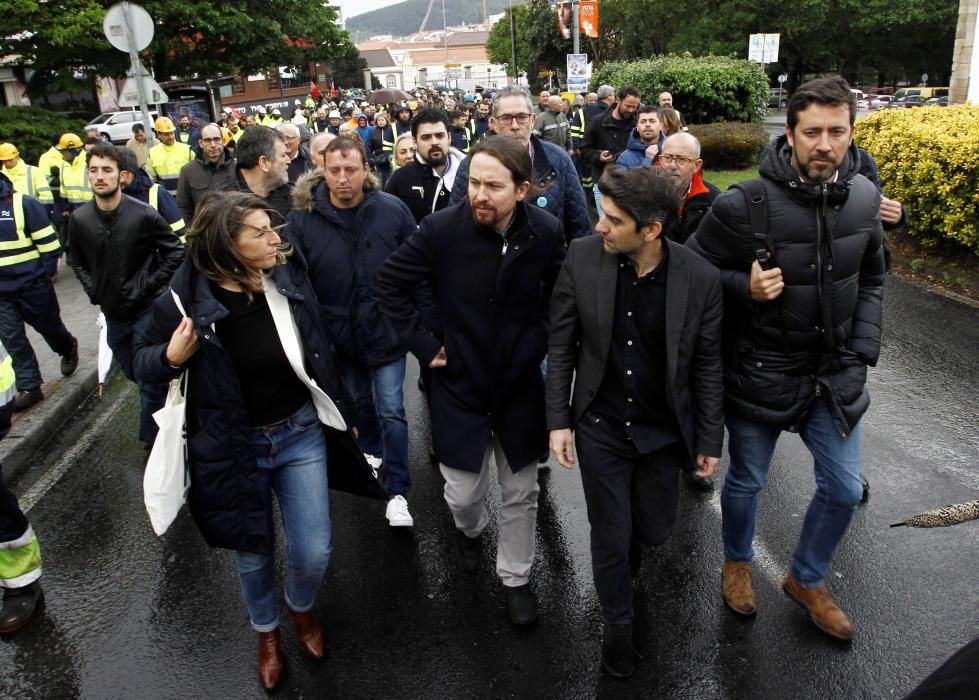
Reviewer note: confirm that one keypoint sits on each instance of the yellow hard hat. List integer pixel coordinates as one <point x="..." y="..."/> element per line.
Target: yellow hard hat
<point x="163" y="125"/>
<point x="226" y="133"/>
<point x="69" y="140"/>
<point x="413" y="105"/>
<point x="8" y="151"/>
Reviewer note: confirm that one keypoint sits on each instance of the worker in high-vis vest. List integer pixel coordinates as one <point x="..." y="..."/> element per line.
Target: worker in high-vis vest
<point x="577" y="123"/>
<point x="26" y="179"/>
<point x="20" y="554"/>
<point x="29" y="251"/>
<point x="75" y="189"/>
<point x="50" y="161"/>
<point x="380" y="145"/>
<point x="136" y="183"/>
<point x="169" y="156"/>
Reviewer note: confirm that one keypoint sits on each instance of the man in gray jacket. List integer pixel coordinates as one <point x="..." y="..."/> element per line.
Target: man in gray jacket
<point x="552" y="125"/>
<point x="199" y="177"/>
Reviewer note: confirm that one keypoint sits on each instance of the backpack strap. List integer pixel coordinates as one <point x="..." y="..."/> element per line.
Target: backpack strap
<point x="756" y="196"/>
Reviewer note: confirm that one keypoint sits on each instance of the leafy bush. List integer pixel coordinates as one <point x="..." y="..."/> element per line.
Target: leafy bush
<point x="928" y="159"/>
<point x="731" y="145"/>
<point x="30" y="129"/>
<point x="705" y="89"/>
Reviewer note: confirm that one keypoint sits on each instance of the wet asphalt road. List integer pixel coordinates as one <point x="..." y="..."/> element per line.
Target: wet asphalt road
<point x="130" y="615"/>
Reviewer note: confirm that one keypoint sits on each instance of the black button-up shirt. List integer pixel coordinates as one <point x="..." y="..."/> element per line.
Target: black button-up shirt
<point x="634" y="391"/>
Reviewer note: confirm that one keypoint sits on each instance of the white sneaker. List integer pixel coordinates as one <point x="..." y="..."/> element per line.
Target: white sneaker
<point x="397" y="513"/>
<point x="375" y="463"/>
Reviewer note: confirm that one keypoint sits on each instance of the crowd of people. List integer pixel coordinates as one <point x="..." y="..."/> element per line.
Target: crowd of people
<point x="288" y="267"/>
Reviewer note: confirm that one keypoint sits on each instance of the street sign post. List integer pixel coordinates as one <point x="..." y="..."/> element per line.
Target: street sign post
<point x="130" y="28"/>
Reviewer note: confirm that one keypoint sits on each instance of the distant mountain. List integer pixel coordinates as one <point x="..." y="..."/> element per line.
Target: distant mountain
<point x="406" y="17"/>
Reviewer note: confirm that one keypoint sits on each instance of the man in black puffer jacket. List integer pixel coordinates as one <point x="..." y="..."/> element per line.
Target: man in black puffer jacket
<point x="346" y="229"/>
<point x="802" y="324"/>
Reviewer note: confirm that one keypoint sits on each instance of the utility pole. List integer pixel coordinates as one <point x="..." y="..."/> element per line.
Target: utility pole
<point x="574" y="21"/>
<point x="513" y="43"/>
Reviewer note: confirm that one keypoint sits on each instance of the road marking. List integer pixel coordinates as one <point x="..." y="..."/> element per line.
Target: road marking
<point x="763" y="560"/>
<point x="53" y="475"/>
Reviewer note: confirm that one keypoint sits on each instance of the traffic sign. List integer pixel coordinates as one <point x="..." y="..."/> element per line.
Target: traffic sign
<point x="783" y="77"/>
<point x="129" y="95"/>
<point x="114" y="26"/>
<point x="545" y="73"/>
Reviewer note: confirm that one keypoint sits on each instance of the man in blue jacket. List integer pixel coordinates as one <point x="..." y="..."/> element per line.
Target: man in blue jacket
<point x="646" y="140"/>
<point x="346" y="228"/>
<point x="556" y="187"/>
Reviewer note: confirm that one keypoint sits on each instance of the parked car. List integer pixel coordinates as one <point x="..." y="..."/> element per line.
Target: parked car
<point x="117" y="127"/>
<point x="907" y="101"/>
<point x="778" y="99"/>
<point x="879" y="101"/>
<point x="940" y="101"/>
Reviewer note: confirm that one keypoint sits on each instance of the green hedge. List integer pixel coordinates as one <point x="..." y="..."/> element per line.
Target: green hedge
<point x="928" y="159"/>
<point x="30" y="129"/>
<point x="731" y="145"/>
<point x="705" y="89"/>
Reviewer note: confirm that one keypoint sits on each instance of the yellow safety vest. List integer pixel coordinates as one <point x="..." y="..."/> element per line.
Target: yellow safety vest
<point x="386" y="145"/>
<point x="7" y="379"/>
<point x="75" y="187"/>
<point x="51" y="157"/>
<point x="167" y="162"/>
<point x="29" y="180"/>
<point x="44" y="240"/>
<point x="154" y="202"/>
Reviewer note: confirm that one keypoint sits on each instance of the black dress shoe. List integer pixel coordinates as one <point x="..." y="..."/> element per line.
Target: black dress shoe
<point x="619" y="657"/>
<point x="19" y="606"/>
<point x="26" y="399"/>
<point x="69" y="362"/>
<point x="703" y="484"/>
<point x="865" y="496"/>
<point x="469" y="550"/>
<point x="521" y="604"/>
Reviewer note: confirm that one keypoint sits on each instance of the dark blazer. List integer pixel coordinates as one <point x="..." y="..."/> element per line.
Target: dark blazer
<point x="582" y="313"/>
<point x="493" y="308"/>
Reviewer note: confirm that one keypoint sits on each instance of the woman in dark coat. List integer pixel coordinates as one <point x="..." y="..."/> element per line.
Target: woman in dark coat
<point x="259" y="386"/>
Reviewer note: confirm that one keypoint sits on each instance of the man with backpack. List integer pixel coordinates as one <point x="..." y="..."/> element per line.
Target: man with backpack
<point x="801" y="255"/>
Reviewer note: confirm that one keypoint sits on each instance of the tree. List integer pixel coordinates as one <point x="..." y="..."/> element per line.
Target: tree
<point x="498" y="45"/>
<point x="348" y="70"/>
<point x="64" y="42"/>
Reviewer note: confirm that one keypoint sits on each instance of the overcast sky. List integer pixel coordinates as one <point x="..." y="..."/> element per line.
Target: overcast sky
<point x="359" y="7"/>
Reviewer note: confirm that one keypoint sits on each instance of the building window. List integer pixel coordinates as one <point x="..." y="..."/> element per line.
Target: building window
<point x="390" y="81"/>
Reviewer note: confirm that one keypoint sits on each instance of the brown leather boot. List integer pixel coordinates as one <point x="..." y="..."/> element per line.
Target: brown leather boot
<point x="736" y="587"/>
<point x="271" y="663"/>
<point x="823" y="612"/>
<point x="309" y="633"/>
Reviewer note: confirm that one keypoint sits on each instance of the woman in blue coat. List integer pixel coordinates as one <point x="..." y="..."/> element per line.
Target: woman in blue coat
<point x="260" y="415"/>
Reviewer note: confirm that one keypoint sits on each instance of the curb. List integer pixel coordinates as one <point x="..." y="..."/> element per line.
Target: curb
<point x="40" y="425"/>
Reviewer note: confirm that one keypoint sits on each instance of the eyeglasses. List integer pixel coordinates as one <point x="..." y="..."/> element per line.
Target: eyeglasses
<point x="507" y="119"/>
<point x="213" y="139"/>
<point x="667" y="158"/>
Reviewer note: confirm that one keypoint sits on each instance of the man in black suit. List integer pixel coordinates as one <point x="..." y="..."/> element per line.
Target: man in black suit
<point x="636" y="321"/>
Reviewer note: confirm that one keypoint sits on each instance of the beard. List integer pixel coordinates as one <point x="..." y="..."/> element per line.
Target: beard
<point x="438" y="159"/>
<point x="107" y="193"/>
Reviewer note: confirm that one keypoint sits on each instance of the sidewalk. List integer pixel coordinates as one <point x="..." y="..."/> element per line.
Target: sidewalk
<point x="62" y="395"/>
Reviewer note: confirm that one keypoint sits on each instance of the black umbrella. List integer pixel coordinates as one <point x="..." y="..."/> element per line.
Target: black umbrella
<point x="943" y="517"/>
<point x="382" y="97"/>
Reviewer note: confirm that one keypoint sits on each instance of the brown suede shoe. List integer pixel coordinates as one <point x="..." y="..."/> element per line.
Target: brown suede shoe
<point x="309" y="633"/>
<point x="271" y="663"/>
<point x="823" y="612"/>
<point x="736" y="587"/>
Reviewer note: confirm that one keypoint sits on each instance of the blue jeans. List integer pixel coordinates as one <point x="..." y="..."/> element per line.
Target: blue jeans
<point x="836" y="463"/>
<point x="379" y="404"/>
<point x="291" y="459"/>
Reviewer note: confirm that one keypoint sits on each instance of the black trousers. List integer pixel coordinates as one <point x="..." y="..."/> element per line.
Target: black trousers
<point x="632" y="501"/>
<point x="13" y="522"/>
<point x="36" y="304"/>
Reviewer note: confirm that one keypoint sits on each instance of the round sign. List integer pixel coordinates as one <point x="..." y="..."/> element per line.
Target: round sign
<point x="114" y="26"/>
<point x="924" y="78"/>
<point x="783" y="77"/>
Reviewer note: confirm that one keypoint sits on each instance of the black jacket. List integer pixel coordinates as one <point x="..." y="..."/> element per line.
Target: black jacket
<point x="299" y="165"/>
<point x="818" y="337"/>
<point x="493" y="305"/>
<point x="603" y="133"/>
<point x="421" y="188"/>
<point x="224" y="496"/>
<point x="582" y="315"/>
<point x="343" y="265"/>
<point x="124" y="261"/>
<point x="200" y="177"/>
<point x="693" y="211"/>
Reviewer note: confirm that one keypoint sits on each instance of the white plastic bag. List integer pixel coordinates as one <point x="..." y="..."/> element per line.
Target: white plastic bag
<point x="167" y="477"/>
